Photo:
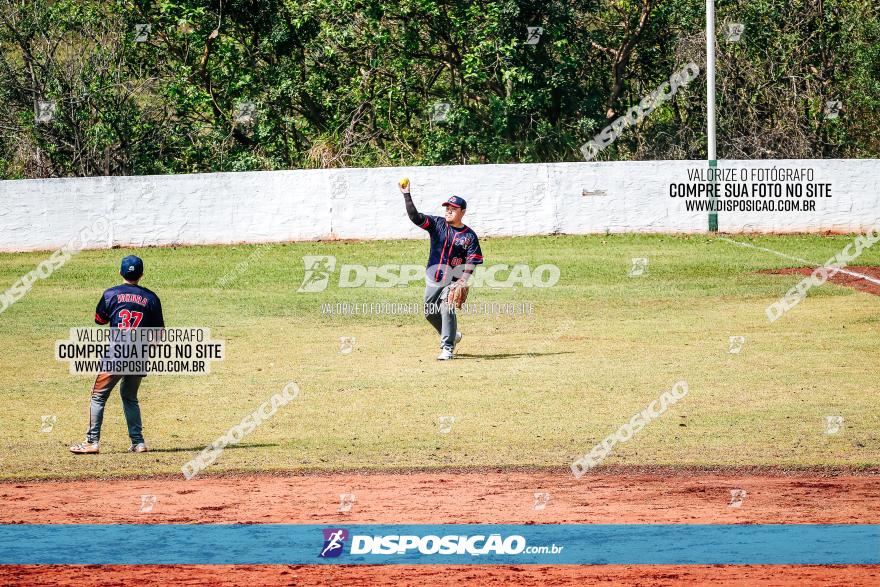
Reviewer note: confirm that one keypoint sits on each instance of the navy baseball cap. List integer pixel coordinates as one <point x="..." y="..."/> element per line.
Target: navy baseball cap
<point x="455" y="202"/>
<point x="132" y="267"/>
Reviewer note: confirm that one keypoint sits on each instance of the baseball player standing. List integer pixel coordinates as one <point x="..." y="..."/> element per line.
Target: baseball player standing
<point x="124" y="306"/>
<point x="454" y="254"/>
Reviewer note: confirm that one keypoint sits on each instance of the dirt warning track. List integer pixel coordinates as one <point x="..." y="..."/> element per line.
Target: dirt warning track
<point x="445" y="498"/>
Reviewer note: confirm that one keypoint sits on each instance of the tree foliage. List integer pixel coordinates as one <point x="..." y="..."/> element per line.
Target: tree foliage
<point x="279" y="84"/>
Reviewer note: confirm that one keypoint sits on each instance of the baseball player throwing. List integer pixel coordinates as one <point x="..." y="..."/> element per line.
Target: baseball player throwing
<point x="125" y="306"/>
<point x="454" y="254"/>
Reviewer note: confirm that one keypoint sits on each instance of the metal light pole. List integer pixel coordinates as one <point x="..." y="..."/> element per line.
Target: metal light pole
<point x="710" y="100"/>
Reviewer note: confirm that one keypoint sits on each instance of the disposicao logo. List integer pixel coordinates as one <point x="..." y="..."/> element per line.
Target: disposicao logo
<point x="318" y="270"/>
<point x="472" y="545"/>
<point x="334" y="541"/>
<point x="432" y="544"/>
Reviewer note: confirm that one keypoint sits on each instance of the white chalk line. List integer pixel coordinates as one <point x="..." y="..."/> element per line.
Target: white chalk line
<point x="810" y="263"/>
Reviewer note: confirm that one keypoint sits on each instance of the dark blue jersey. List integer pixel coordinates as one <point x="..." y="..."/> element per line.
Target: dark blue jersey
<point x="129" y="306"/>
<point x="450" y="248"/>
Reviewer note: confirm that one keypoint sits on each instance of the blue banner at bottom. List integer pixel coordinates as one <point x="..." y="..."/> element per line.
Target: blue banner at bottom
<point x="456" y="544"/>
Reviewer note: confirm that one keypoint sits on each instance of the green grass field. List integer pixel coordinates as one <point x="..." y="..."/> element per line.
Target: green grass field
<point x="525" y="390"/>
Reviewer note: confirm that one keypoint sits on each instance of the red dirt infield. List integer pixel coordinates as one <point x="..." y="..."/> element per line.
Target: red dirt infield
<point x="840" y="278"/>
<point x="449" y="497"/>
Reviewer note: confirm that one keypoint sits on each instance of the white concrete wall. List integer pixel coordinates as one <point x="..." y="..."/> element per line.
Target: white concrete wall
<point x="504" y="200"/>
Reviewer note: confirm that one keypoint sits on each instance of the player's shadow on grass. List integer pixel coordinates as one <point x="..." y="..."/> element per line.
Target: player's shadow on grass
<point x="508" y="355"/>
<point x="201" y="448"/>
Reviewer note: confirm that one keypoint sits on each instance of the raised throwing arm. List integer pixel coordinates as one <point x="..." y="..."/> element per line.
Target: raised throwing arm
<point x="415" y="216"/>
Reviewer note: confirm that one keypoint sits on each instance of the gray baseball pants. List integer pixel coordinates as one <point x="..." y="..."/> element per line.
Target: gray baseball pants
<point x="104" y="384"/>
<point x="440" y="314"/>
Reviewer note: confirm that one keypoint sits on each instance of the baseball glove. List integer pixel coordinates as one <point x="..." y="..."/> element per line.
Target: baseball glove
<point x="457" y="295"/>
